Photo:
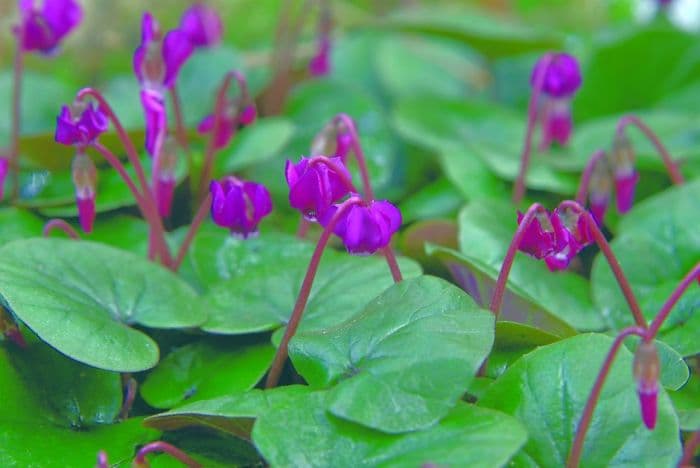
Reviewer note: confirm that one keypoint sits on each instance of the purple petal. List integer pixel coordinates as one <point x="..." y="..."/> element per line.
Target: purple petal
<point x="562" y="76"/>
<point x="624" y="190"/>
<point x="202" y="25"/>
<point x="248" y="115"/>
<point x="62" y="16"/>
<point x="4" y="167"/>
<point x="176" y="50"/>
<point x="66" y="131"/>
<point x="156" y="119"/>
<point x="648" y="406"/>
<point x="86" y="212"/>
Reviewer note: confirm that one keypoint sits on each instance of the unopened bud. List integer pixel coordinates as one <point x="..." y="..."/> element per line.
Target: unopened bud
<point x="85" y="180"/>
<point x="626" y="177"/>
<point x="166" y="181"/>
<point x="248" y="114"/>
<point x="323" y="142"/>
<point x="600" y="188"/>
<point x="646" y="373"/>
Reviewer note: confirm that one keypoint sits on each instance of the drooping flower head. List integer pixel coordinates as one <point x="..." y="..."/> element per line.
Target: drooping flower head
<point x="573" y="235"/>
<point x="235" y="113"/>
<point x="202" y="25"/>
<point x="646" y="373"/>
<point x="557" y="76"/>
<point x="315" y="184"/>
<point x="80" y="124"/>
<point x="626" y="176"/>
<point x="158" y="59"/>
<point x="366" y="227"/>
<point x="156" y="119"/>
<point x="85" y="180"/>
<point x="333" y="139"/>
<point x="544" y="236"/>
<point x="42" y="28"/>
<point x="239" y="205"/>
<point x="600" y="189"/>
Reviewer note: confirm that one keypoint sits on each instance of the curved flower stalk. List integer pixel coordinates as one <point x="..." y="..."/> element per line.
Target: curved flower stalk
<point x="555" y="79"/>
<point x="158" y="446"/>
<point x="646" y="369"/>
<point x="41" y="28"/>
<point x="320" y="63"/>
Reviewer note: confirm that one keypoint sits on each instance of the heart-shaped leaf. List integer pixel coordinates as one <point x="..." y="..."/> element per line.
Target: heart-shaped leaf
<point x="80" y="297"/>
<point x="204" y="370"/>
<point x="17" y="224"/>
<point x="662" y="227"/>
<point x="548" y="388"/>
<point x="404" y="361"/>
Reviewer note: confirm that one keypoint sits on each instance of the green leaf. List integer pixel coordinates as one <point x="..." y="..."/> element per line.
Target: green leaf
<point x="385" y="363"/>
<point x="674" y="370"/>
<point x="260" y="291"/>
<point x="18" y="224"/>
<point x="468" y="436"/>
<point x="435" y="200"/>
<point x="662" y="228"/>
<point x="73" y="394"/>
<point x="204" y="370"/>
<point x="488" y="34"/>
<point x="255" y="144"/>
<point x="80" y="297"/>
<point x="486" y="231"/>
<point x="464" y="131"/>
<point x="686" y="401"/>
<point x="548" y="388"/>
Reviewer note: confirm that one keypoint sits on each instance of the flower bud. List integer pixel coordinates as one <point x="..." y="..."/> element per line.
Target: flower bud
<point x="4" y="168"/>
<point x="646" y="373"/>
<point x="599" y="189"/>
<point x="626" y="177"/>
<point x="84" y="179"/>
<point x="166" y="180"/>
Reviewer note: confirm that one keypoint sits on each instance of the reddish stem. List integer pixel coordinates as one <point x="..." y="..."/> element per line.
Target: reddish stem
<point x="148" y="210"/>
<point x="671" y="301"/>
<point x="673" y="172"/>
<point x="303" y="228"/>
<point x="160" y="446"/>
<point x="519" y="186"/>
<point x="180" y="129"/>
<point x="61" y="225"/>
<point x="303" y="297"/>
<point x="219" y="108"/>
<point x="131" y="386"/>
<point x="359" y="153"/>
<point x="499" y="290"/>
<point x="16" y="114"/>
<point x="393" y="264"/>
<point x="583" y="186"/>
<point x="611" y="258"/>
<point x="197" y="221"/>
<point x="689" y="449"/>
<point x="577" y="446"/>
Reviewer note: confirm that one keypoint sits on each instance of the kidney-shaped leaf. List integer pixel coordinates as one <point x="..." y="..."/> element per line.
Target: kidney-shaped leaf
<point x="404" y="361"/>
<point x="80" y="297"/>
<point x="548" y="388"/>
<point x="664" y="227"/>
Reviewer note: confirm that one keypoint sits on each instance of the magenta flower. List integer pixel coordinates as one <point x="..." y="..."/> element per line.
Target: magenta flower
<point x="646" y="373"/>
<point x="84" y="179"/>
<point x="320" y="64"/>
<point x="157" y="60"/>
<point x="239" y="205"/>
<point x="167" y="179"/>
<point x="42" y="29"/>
<point x="573" y="235"/>
<point x="202" y="25"/>
<point x="626" y="176"/>
<point x="156" y="119"/>
<point x="314" y="186"/>
<point x="80" y="124"/>
<point x="367" y="227"/>
<point x="559" y="78"/>
<point x="4" y="168"/>
<point x="228" y="124"/>
<point x="544" y="236"/>
<point x="625" y="185"/>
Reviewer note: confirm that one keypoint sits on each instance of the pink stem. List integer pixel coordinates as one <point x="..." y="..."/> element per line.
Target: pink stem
<point x="611" y="258"/>
<point x="148" y="210"/>
<point x="393" y="264"/>
<point x="583" y="186"/>
<point x="347" y="121"/>
<point x="61" y="225"/>
<point x="499" y="290"/>
<point x="194" y="227"/>
<point x="671" y="301"/>
<point x="671" y="167"/>
<point x="160" y="446"/>
<point x="303" y="228"/>
<point x="16" y="115"/>
<point x="689" y="449"/>
<point x="303" y="297"/>
<point x="577" y="446"/>
<point x="519" y="186"/>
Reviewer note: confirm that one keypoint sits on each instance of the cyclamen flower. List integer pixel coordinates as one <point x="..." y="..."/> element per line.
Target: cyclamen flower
<point x="559" y="78"/>
<point x="320" y="64"/>
<point x="239" y="205"/>
<point x="626" y="176"/>
<point x="544" y="236"/>
<point x="202" y="25"/>
<point x="574" y="235"/>
<point x="367" y="227"/>
<point x="646" y="373"/>
<point x="315" y="185"/>
<point x="42" y="29"/>
<point x="156" y="119"/>
<point x="4" y="168"/>
<point x="85" y="179"/>
<point x="80" y="124"/>
<point x="157" y="60"/>
<point x="228" y="123"/>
